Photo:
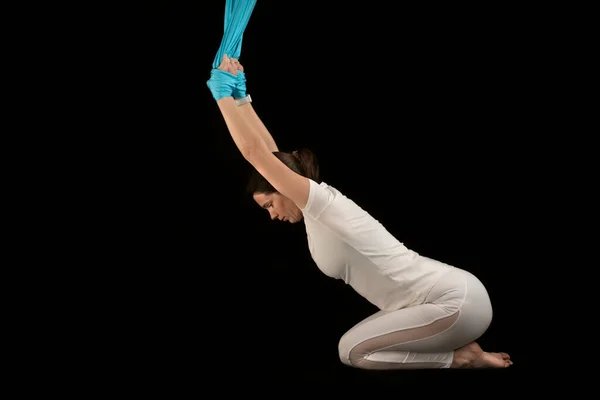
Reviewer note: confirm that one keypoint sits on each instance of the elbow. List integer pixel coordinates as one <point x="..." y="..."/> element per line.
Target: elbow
<point x="252" y="152"/>
<point x="248" y="153"/>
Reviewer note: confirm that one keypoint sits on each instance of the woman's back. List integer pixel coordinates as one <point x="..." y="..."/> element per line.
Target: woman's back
<point x="347" y="243"/>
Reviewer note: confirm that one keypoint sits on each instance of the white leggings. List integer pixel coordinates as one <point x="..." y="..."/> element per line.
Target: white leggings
<point x="456" y="312"/>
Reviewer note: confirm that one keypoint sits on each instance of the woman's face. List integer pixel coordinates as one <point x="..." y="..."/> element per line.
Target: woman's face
<point x="279" y="207"/>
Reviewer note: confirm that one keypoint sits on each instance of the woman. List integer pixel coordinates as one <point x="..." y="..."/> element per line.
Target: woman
<point x="430" y="313"/>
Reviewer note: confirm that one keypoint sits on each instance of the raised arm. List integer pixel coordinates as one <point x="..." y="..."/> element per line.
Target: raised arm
<point x="247" y="137"/>
<point x="249" y="114"/>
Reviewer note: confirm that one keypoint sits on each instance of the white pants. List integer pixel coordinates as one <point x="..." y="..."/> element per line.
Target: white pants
<point x="456" y="312"/>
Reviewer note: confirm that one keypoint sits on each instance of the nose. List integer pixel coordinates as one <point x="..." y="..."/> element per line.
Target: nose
<point x="273" y="214"/>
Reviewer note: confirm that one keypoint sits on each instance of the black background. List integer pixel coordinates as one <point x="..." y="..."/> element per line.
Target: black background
<point x="422" y="115"/>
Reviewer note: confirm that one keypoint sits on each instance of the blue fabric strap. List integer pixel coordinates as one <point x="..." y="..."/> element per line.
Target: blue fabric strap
<point x="223" y="84"/>
<point x="237" y="15"/>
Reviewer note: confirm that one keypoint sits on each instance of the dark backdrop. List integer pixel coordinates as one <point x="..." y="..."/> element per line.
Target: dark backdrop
<point x="417" y="113"/>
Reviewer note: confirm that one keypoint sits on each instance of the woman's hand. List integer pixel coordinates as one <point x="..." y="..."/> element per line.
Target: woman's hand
<point x="225" y="80"/>
<point x="237" y="64"/>
<point x="231" y="65"/>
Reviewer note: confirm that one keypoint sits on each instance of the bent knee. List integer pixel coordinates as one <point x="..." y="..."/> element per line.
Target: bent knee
<point x="345" y="351"/>
<point x="353" y="354"/>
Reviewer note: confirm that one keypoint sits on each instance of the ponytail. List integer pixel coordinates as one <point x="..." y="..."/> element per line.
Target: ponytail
<point x="308" y="163"/>
<point x="302" y="161"/>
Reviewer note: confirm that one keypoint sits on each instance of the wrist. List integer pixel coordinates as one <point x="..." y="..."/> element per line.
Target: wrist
<point x="221" y="84"/>
<point x="243" y="100"/>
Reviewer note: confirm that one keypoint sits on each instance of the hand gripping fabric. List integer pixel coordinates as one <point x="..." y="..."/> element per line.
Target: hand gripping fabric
<point x="221" y="83"/>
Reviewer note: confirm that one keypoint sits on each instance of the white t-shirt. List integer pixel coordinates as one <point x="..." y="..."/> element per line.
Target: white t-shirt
<point x="347" y="243"/>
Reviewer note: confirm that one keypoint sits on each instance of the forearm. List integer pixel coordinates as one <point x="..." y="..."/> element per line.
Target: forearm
<point x="245" y="136"/>
<point x="252" y="119"/>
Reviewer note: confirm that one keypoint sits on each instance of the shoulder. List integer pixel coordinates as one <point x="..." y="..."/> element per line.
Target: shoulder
<point x="320" y="197"/>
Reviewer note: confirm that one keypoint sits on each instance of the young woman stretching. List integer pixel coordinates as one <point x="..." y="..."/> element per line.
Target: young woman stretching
<point x="430" y="313"/>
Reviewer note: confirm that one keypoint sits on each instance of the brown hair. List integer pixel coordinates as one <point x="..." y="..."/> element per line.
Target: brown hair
<point x="302" y="161"/>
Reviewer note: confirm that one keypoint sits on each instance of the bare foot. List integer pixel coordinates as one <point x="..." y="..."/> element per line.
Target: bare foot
<point x="472" y="356"/>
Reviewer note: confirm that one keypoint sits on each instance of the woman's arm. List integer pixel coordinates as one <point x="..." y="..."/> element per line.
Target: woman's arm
<point x="249" y="114"/>
<point x="255" y="150"/>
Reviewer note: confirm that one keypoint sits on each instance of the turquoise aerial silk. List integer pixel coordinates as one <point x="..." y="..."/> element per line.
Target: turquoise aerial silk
<point x="221" y="83"/>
